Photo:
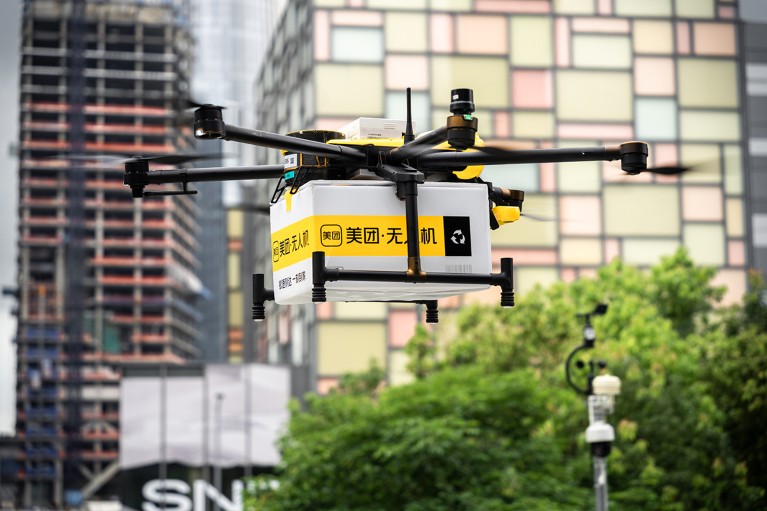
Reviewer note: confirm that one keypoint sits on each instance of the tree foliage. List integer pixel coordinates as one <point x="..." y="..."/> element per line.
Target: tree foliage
<point x="490" y="424"/>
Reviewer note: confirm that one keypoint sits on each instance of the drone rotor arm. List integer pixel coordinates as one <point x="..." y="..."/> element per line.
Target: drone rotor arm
<point x="195" y="175"/>
<point x="418" y="146"/>
<point x="463" y="159"/>
<point x="342" y="154"/>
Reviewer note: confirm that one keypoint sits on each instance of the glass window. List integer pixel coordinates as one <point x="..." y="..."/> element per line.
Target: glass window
<point x="349" y="347"/>
<point x="645" y="8"/>
<point x="598" y="95"/>
<point x="708" y="83"/>
<point x="656" y="119"/>
<point x="602" y="51"/>
<point x="710" y="126"/>
<point x="528" y="124"/>
<point x="641" y="210"/>
<point x="654" y="76"/>
<point x="655" y="37"/>
<point x="492" y="91"/>
<point x="648" y="251"/>
<point x="355" y="90"/>
<point x="702" y="203"/>
<point x="587" y="251"/>
<point x="482" y="34"/>
<point x="705" y="243"/>
<point x="695" y="8"/>
<point x="531" y="41"/>
<point x="574" y="6"/>
<point x="405" y="32"/>
<point x="357" y="44"/>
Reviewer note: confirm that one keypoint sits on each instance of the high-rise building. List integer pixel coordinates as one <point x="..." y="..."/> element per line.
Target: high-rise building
<point x="104" y="280"/>
<point x="549" y="73"/>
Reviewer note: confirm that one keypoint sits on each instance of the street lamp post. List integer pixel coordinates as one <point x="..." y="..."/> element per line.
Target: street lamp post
<point x="600" y="392"/>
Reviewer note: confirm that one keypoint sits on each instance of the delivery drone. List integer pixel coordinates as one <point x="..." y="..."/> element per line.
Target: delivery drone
<point x="375" y="213"/>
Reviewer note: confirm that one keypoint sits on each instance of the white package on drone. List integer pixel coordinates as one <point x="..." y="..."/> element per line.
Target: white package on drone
<point x="370" y="127"/>
<point x="360" y="225"/>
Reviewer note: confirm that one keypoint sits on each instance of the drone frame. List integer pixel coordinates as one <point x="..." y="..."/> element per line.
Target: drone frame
<point x="406" y="165"/>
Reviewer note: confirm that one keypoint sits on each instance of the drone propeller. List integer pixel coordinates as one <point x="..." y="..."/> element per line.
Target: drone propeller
<point x="189" y="103"/>
<point x="668" y="170"/>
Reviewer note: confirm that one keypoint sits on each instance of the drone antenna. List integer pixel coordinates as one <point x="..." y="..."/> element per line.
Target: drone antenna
<point x="409" y="135"/>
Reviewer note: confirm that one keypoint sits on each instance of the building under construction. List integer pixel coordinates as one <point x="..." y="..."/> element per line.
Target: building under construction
<point x="104" y="280"/>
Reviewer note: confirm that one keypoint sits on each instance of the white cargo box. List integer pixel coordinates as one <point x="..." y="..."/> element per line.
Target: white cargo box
<point x="369" y="127"/>
<point x="360" y="225"/>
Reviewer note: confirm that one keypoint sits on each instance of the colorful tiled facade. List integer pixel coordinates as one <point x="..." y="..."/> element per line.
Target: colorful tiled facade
<point x="550" y="73"/>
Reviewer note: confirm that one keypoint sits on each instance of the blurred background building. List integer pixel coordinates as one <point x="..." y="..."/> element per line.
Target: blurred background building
<point x="687" y="76"/>
<point x="103" y="280"/>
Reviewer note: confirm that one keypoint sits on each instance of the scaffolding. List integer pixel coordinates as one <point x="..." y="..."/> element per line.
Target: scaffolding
<point x="104" y="280"/>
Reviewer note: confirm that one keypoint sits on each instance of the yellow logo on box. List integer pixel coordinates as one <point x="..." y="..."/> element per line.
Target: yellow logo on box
<point x="357" y="236"/>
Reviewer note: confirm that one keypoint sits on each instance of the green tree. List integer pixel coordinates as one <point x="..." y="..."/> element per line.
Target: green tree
<point x="490" y="423"/>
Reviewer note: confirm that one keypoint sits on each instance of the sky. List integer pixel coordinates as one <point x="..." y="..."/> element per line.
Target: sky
<point x="10" y="21"/>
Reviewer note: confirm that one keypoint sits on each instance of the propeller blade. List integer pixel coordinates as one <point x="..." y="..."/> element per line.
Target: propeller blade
<point x="538" y="218"/>
<point x="189" y="103"/>
<point x="668" y="170"/>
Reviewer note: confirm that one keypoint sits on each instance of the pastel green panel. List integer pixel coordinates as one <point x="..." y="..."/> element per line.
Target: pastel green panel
<point x="735" y="220"/>
<point x="641" y="210"/>
<point x="656" y="119"/>
<point x="516" y="177"/>
<point x="528" y="124"/>
<point x="653" y="37"/>
<point x="531" y="41"/>
<point x="708" y="83"/>
<point x="349" y="90"/>
<point x="329" y="3"/>
<point x="705" y="158"/>
<point x="733" y="172"/>
<point x="398" y="373"/>
<point x="643" y="8"/>
<point x="602" y="51"/>
<point x="594" y="96"/>
<point x="579" y="177"/>
<point x="357" y="44"/>
<point x="449" y="5"/>
<point x="525" y="233"/>
<point x="580" y="251"/>
<point x="575" y="6"/>
<point x="235" y="308"/>
<point x="706" y="243"/>
<point x="695" y="8"/>
<point x="488" y="76"/>
<point x="406" y="32"/>
<point x="360" y="310"/>
<point x="233" y="270"/>
<point x="396" y="108"/>
<point x="415" y="5"/>
<point x="709" y="126"/>
<point x="647" y="251"/>
<point x="235" y="223"/>
<point x="527" y="278"/>
<point x="349" y="347"/>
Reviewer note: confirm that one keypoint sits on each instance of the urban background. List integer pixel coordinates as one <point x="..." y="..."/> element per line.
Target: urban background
<point x="102" y="292"/>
